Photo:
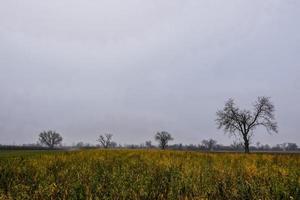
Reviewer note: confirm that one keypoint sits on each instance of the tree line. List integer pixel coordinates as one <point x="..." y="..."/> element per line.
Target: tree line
<point x="234" y="121"/>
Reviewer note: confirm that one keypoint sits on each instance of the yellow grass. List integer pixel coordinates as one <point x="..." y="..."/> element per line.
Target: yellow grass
<point x="150" y="174"/>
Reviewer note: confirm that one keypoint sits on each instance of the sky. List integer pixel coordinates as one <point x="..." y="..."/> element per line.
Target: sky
<point x="132" y="68"/>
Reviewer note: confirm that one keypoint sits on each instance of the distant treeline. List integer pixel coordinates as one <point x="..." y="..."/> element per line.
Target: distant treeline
<point x="206" y="145"/>
<point x="191" y="147"/>
<point x="219" y="147"/>
<point x="26" y="147"/>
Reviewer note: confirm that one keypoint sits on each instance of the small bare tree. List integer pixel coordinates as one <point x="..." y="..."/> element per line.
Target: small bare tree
<point x="243" y="122"/>
<point x="209" y="144"/>
<point x="236" y="145"/>
<point x="105" y="140"/>
<point x="148" y="144"/>
<point x="163" y="138"/>
<point x="50" y="138"/>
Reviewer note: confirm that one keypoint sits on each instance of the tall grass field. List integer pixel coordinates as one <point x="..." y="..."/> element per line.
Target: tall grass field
<point x="148" y="174"/>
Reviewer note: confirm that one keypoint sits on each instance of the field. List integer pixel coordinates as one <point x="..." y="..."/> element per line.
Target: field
<point x="148" y="174"/>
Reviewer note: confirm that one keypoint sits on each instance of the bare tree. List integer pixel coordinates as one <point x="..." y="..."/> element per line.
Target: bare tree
<point x="163" y="138"/>
<point x="105" y="140"/>
<point x="148" y="144"/>
<point x="258" y="145"/>
<point x="289" y="146"/>
<point x="243" y="122"/>
<point x="113" y="144"/>
<point x="50" y="138"/>
<point x="209" y="144"/>
<point x="236" y="145"/>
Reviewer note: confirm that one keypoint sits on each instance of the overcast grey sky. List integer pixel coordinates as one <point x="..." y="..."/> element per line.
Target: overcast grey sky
<point x="136" y="67"/>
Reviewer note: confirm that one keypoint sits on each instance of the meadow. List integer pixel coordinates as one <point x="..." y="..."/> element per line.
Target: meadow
<point x="148" y="174"/>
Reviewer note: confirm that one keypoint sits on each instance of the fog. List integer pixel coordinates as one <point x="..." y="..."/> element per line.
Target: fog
<point x="132" y="68"/>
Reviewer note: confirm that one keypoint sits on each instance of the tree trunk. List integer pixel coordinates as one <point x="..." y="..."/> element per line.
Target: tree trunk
<point x="246" y="145"/>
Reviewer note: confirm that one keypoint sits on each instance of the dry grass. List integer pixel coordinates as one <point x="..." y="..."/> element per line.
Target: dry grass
<point x="149" y="174"/>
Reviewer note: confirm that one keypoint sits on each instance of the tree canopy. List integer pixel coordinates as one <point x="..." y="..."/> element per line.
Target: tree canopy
<point x="239" y="122"/>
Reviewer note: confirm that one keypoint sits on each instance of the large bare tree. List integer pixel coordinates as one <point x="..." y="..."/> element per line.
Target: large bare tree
<point x="243" y="122"/>
<point x="50" y="138"/>
<point x="105" y="140"/>
<point x="163" y="138"/>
